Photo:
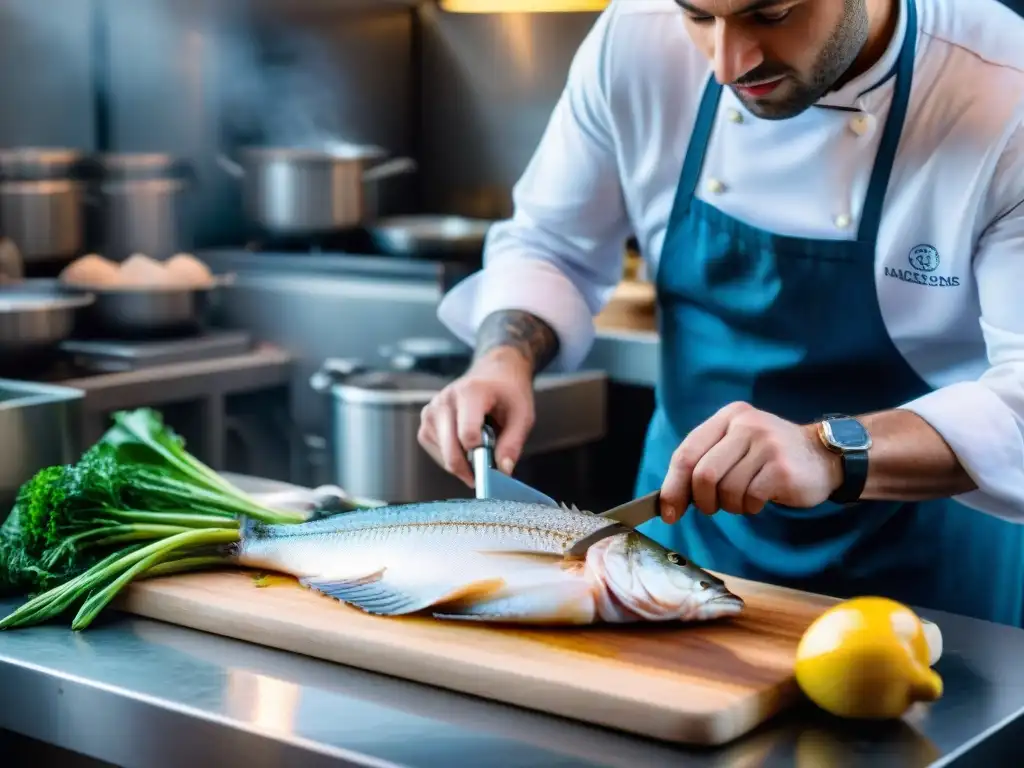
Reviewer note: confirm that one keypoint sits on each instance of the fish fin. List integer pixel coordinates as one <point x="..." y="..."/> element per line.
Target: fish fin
<point x="558" y="603"/>
<point x="374" y="594"/>
<point x="570" y="507"/>
<point x="527" y="555"/>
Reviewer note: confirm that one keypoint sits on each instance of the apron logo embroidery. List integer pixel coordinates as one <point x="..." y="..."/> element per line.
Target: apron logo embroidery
<point x="924" y="260"/>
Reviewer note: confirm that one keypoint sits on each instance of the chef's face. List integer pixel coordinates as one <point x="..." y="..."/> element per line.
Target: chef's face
<point x="778" y="56"/>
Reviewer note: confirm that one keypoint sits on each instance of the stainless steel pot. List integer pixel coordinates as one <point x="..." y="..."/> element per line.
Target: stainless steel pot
<point x="36" y="315"/>
<point x="140" y="205"/>
<point x="45" y="219"/>
<point x="375" y="415"/>
<point x="308" y="192"/>
<point x="42" y="201"/>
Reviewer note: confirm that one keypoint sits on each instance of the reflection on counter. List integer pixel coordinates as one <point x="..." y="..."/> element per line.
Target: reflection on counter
<point x="267" y="703"/>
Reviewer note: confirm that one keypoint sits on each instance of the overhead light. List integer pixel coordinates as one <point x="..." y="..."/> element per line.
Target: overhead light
<point x="522" y="6"/>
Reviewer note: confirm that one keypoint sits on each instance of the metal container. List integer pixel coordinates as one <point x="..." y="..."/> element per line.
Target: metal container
<point x="295" y="192"/>
<point x="140" y="206"/>
<point x="45" y="219"/>
<point x="39" y="427"/>
<point x="375" y="419"/>
<point x="36" y="315"/>
<point x="427" y="236"/>
<point x="42" y="202"/>
<point x="137" y="313"/>
<point x="40" y="163"/>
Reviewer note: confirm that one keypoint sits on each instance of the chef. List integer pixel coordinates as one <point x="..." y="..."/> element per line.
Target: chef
<point x="829" y="195"/>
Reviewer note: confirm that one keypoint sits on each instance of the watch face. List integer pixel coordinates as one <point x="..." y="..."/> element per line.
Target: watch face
<point x="847" y="434"/>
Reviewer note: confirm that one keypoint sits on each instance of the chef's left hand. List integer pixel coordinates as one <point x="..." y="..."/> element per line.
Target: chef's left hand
<point x="741" y="458"/>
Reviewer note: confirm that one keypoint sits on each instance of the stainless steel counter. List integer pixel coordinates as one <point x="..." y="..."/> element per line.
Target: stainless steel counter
<point x="140" y="693"/>
<point x="628" y="357"/>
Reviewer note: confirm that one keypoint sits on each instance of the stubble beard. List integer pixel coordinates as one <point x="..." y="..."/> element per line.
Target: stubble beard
<point x="835" y="59"/>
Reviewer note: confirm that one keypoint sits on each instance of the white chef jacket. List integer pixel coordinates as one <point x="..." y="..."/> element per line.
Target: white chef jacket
<point x="949" y="264"/>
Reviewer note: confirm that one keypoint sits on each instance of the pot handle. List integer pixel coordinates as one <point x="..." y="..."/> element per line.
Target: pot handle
<point x="334" y="371"/>
<point x="230" y="166"/>
<point x="390" y="168"/>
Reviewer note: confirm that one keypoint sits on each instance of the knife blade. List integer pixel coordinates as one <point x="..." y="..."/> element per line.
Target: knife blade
<point x="635" y="512"/>
<point x="492" y="483"/>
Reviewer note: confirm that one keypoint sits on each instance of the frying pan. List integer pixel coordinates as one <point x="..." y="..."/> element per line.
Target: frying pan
<point x="427" y="236"/>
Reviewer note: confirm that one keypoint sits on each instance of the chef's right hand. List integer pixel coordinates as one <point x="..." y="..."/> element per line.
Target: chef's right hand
<point x="499" y="385"/>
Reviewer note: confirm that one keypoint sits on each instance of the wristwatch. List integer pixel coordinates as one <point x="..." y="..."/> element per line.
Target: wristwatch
<point x="847" y="437"/>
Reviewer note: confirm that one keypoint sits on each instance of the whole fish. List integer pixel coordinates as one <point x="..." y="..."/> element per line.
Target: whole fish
<point x="487" y="560"/>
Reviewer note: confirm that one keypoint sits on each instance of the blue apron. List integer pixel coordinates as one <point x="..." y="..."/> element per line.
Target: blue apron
<point x="792" y="326"/>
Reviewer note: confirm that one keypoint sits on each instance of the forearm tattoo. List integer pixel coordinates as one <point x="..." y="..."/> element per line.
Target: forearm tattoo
<point x="524" y="332"/>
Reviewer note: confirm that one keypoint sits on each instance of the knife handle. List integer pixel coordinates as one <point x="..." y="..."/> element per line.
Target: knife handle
<point x="482" y="459"/>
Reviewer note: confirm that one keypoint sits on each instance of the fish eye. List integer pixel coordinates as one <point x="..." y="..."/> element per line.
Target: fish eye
<point x="705" y="585"/>
<point x="676" y="559"/>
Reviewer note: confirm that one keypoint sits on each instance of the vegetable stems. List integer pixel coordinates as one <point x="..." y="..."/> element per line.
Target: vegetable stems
<point x="137" y="562"/>
<point x="103" y="581"/>
<point x="136" y="505"/>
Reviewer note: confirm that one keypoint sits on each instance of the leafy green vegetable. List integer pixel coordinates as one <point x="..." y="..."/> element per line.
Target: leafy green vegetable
<point x="136" y="504"/>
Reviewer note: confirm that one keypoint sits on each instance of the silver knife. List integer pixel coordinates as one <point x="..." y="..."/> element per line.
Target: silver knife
<point x="635" y="512"/>
<point x="492" y="483"/>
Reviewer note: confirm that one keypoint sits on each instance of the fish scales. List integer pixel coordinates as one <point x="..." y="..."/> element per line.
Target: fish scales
<point x="548" y="529"/>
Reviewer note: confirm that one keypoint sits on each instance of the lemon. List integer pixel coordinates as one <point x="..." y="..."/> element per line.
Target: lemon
<point x="866" y="658"/>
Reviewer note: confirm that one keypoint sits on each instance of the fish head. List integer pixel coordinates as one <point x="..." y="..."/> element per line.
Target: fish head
<point x="656" y="583"/>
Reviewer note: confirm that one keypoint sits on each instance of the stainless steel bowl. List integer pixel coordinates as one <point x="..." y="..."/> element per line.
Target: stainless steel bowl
<point x="147" y="312"/>
<point x="36" y="315"/>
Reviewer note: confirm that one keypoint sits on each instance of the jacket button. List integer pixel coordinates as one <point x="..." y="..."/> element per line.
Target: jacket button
<point x="735" y="116"/>
<point x="862" y="125"/>
<point x="715" y="187"/>
<point x="843" y="221"/>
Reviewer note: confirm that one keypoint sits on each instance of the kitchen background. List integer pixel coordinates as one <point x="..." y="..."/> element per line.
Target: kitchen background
<point x="466" y="96"/>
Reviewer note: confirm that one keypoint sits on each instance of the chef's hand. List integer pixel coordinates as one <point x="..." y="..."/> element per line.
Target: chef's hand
<point x="741" y="458"/>
<point x="499" y="385"/>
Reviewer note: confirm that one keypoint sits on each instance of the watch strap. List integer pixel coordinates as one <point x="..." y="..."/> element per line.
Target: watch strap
<point x="855" y="476"/>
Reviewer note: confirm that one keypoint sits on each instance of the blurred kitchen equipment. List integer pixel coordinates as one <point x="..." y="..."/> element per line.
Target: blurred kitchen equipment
<point x="375" y="419"/>
<point x="119" y="355"/>
<point x="375" y="415"/>
<point x="12" y="267"/>
<point x="36" y="315"/>
<point x="293" y="191"/>
<point x="442" y="357"/>
<point x="428" y="236"/>
<point x="42" y="202"/>
<point x="633" y="306"/>
<point x="39" y="427"/>
<point x="147" y="312"/>
<point x="138" y="205"/>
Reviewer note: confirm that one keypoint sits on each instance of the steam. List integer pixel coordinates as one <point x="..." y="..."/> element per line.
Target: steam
<point x="280" y="87"/>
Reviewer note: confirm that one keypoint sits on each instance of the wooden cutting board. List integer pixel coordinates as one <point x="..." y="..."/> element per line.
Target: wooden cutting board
<point x="631" y="307"/>
<point x="700" y="684"/>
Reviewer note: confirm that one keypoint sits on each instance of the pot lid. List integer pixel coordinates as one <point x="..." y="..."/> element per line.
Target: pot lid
<point x="328" y="151"/>
<point x="142" y="165"/>
<point x="390" y="387"/>
<point x="35" y="163"/>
